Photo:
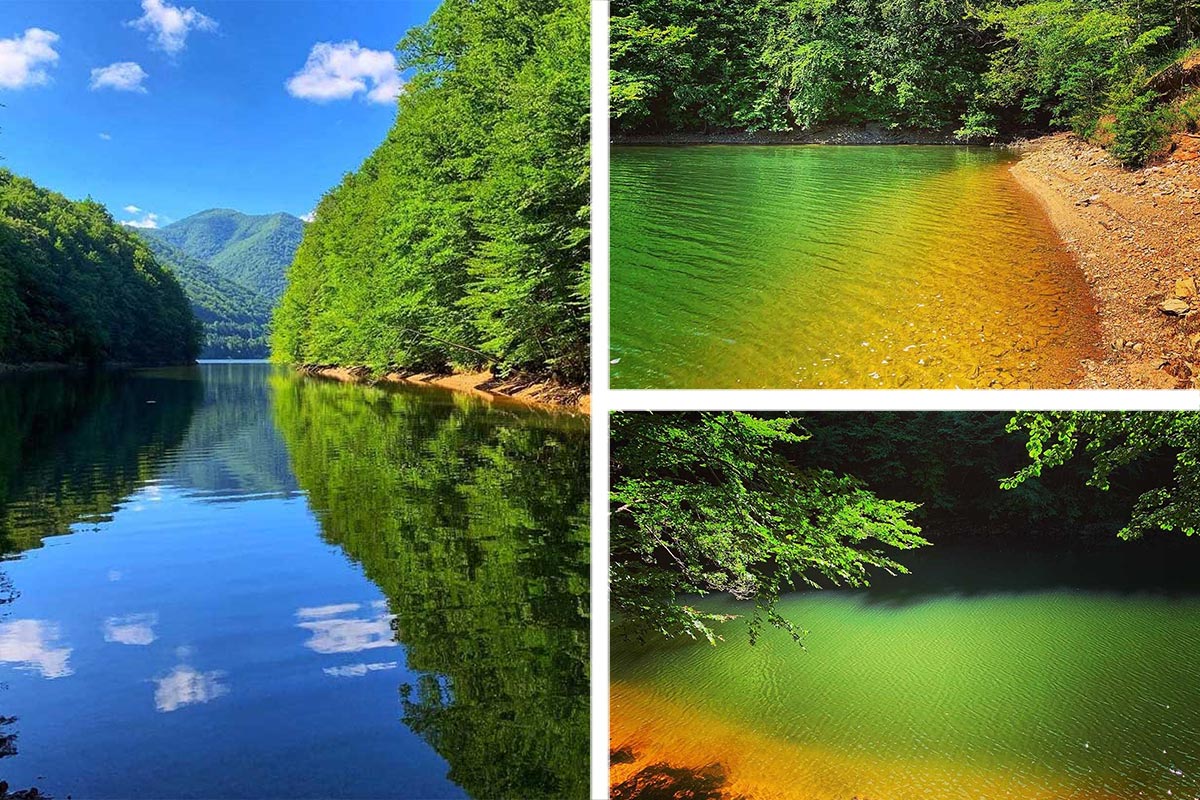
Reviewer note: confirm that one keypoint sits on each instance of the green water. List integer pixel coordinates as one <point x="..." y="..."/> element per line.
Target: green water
<point x="977" y="688"/>
<point x="837" y="267"/>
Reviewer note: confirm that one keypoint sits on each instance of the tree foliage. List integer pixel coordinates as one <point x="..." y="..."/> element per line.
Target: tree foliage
<point x="711" y="502"/>
<point x="463" y="239"/>
<point x="1113" y="441"/>
<point x="235" y="317"/>
<point x="932" y="64"/>
<point x="77" y="287"/>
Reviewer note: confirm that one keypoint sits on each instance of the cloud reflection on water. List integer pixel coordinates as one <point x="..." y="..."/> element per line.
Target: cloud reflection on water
<point x="30" y="644"/>
<point x="335" y="630"/>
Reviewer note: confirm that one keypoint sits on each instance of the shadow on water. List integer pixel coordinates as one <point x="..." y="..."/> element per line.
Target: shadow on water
<point x="1160" y="565"/>
<point x="473" y="521"/>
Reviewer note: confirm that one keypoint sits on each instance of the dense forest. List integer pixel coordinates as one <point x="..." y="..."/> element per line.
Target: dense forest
<point x="756" y="505"/>
<point x="75" y="287"/>
<point x="462" y="241"/>
<point x="476" y="530"/>
<point x="978" y="69"/>
<point x="251" y="250"/>
<point x="235" y="317"/>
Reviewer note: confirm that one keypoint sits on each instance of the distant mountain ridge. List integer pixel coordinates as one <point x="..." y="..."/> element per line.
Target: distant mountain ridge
<point x="254" y="250"/>
<point x="235" y="317"/>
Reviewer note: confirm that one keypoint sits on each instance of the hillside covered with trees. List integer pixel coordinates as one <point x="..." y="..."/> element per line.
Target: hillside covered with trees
<point x="235" y="317"/>
<point x="75" y="287"/>
<point x="1103" y="69"/>
<point x="462" y="241"/>
<point x="252" y="250"/>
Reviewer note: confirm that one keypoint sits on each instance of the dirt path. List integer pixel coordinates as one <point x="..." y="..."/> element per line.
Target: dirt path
<point x="482" y="384"/>
<point x="1136" y="237"/>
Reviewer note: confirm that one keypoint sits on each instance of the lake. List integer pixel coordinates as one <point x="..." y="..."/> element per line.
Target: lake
<point x="738" y="266"/>
<point x="1007" y="675"/>
<point x="234" y="581"/>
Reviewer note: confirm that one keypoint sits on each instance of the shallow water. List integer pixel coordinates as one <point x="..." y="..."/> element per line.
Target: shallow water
<point x="237" y="582"/>
<point x="837" y="267"/>
<point x="960" y="685"/>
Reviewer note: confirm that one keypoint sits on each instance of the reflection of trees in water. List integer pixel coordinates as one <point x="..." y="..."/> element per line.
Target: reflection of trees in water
<point x="473" y="521"/>
<point x="232" y="446"/>
<point x="76" y="444"/>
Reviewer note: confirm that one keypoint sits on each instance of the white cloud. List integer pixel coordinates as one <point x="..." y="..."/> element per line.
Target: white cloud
<point x="185" y="686"/>
<point x="309" y="217"/>
<point x="29" y="643"/>
<point x="342" y="70"/>
<point x="335" y="631"/>
<point x="133" y="629"/>
<point x="106" y="136"/>
<point x="148" y="219"/>
<point x="24" y="58"/>
<point x="169" y="25"/>
<point x="123" y="76"/>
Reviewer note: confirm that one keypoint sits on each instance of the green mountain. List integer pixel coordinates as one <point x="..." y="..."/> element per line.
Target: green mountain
<point x="235" y="317"/>
<point x="253" y="250"/>
<point x="77" y="287"/>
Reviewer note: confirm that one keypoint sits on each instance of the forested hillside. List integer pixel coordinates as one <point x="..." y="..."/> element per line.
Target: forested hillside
<point x="977" y="68"/>
<point x="253" y="250"/>
<point x="77" y="287"/>
<point x="462" y="241"/>
<point x="235" y="318"/>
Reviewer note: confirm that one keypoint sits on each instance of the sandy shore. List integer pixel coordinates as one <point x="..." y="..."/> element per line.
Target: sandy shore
<point x="1136" y="236"/>
<point x="519" y="390"/>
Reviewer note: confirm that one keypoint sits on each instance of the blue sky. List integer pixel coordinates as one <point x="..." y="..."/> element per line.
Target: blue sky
<point x="175" y="106"/>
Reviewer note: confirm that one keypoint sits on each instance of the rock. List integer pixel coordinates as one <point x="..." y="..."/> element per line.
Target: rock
<point x="1185" y="288"/>
<point x="1174" y="307"/>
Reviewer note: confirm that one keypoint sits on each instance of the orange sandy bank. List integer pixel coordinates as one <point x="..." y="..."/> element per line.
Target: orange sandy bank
<point x="516" y="389"/>
<point x="1136" y="237"/>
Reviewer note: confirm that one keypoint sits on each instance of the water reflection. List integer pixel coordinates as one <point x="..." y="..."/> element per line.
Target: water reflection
<point x="185" y="686"/>
<point x="417" y="608"/>
<point x="473" y="522"/>
<point x="340" y="629"/>
<point x="74" y="445"/>
<point x="31" y="644"/>
<point x="135" y="629"/>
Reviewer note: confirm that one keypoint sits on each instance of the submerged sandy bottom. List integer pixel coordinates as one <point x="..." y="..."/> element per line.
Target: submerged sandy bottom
<point x="825" y="267"/>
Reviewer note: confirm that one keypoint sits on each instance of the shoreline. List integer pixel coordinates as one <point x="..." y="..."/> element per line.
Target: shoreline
<point x="1135" y="236"/>
<point x="831" y="135"/>
<point x="518" y="390"/>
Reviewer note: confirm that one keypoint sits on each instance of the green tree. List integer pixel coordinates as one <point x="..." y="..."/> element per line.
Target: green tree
<point x="462" y="241"/>
<point x="77" y="287"/>
<point x="710" y="502"/>
<point x="1114" y="441"/>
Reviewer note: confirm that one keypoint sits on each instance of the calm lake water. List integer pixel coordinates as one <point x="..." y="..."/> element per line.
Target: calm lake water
<point x="237" y="582"/>
<point x="837" y="267"/>
<point x="984" y="675"/>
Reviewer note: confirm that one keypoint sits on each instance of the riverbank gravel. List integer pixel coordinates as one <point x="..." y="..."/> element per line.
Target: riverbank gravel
<point x="1136" y="236"/>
